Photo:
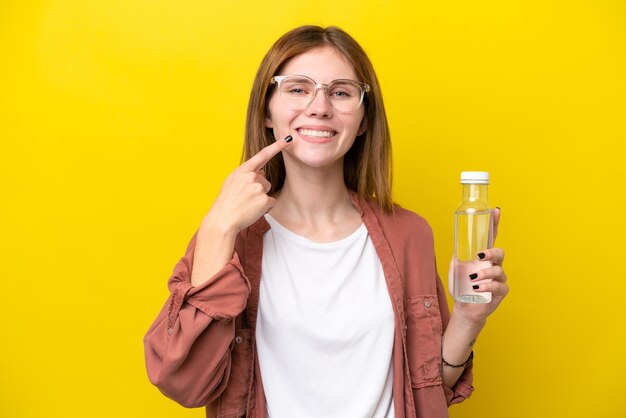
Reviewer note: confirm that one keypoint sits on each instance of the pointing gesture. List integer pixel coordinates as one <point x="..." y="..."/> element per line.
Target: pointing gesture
<point x="242" y="200"/>
<point x="256" y="162"/>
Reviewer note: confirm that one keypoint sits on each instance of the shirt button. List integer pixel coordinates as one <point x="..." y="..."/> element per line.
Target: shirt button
<point x="170" y="330"/>
<point x="238" y="340"/>
<point x="427" y="304"/>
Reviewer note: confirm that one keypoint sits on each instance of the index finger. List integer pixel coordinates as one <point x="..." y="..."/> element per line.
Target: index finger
<point x="257" y="161"/>
<point x="495" y="255"/>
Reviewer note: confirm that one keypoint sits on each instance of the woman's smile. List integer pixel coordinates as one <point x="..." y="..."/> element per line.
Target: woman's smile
<point x="318" y="135"/>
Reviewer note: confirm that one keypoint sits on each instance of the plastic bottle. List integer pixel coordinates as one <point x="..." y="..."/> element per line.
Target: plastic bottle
<point x="473" y="233"/>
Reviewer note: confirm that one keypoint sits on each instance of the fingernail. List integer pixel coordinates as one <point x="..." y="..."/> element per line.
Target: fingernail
<point x="288" y="138"/>
<point x="475" y="287"/>
<point x="498" y="207"/>
<point x="481" y="255"/>
<point x="473" y="276"/>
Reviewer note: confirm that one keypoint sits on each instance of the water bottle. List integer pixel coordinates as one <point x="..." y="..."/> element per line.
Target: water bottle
<point x="473" y="233"/>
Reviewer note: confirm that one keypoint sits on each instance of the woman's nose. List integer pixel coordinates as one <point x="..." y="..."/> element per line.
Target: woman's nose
<point x="320" y="105"/>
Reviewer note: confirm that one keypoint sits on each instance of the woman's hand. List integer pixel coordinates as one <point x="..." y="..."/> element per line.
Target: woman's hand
<point x="243" y="197"/>
<point x="242" y="200"/>
<point x="491" y="279"/>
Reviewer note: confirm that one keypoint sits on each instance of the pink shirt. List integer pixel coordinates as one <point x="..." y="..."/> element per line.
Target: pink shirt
<point x="201" y="350"/>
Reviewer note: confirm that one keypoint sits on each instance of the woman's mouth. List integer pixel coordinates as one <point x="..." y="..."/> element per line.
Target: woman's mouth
<point x="316" y="134"/>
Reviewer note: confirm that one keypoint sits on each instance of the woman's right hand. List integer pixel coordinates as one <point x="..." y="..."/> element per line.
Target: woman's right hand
<point x="243" y="197"/>
<point x="242" y="200"/>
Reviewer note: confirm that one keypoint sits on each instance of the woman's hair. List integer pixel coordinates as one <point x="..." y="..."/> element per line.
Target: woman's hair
<point x="367" y="165"/>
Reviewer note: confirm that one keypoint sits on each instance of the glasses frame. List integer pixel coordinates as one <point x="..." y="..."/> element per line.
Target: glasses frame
<point x="365" y="88"/>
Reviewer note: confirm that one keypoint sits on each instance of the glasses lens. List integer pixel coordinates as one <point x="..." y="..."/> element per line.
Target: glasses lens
<point x="297" y="91"/>
<point x="345" y="95"/>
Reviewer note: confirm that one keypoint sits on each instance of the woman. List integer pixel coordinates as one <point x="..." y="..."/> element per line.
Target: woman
<point x="305" y="292"/>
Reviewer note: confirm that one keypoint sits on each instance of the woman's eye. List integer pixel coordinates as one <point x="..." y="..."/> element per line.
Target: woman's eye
<point x="296" y="89"/>
<point x="344" y="91"/>
<point x="341" y="94"/>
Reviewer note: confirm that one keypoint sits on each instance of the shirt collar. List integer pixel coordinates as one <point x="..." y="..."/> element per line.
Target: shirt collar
<point x="261" y="225"/>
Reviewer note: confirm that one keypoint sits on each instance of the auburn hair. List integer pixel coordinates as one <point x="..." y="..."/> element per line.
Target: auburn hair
<point x="367" y="165"/>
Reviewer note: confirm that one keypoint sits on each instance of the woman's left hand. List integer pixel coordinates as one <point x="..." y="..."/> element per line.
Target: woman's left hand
<point x="491" y="279"/>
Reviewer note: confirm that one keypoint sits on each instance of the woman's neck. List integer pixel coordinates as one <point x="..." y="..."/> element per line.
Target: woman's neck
<point x="315" y="203"/>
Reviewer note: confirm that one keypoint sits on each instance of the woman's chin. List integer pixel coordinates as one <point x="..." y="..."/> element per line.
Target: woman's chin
<point x="315" y="161"/>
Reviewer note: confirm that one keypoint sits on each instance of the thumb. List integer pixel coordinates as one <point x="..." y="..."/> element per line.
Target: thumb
<point x="451" y="278"/>
<point x="495" y="221"/>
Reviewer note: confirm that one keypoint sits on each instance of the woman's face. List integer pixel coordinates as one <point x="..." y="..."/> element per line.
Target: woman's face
<point x="322" y="135"/>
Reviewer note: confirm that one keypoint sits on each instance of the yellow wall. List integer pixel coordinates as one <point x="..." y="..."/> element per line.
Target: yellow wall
<point x="119" y="119"/>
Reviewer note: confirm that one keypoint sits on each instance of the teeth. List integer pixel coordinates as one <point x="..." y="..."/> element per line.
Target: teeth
<point x="316" y="134"/>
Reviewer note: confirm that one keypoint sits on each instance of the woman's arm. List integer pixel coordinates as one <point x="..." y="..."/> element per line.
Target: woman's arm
<point x="187" y="348"/>
<point x="468" y="319"/>
<point x="215" y="244"/>
<point x="458" y="342"/>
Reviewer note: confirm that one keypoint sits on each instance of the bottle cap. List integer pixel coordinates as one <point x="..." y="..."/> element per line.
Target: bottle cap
<point x="474" y="177"/>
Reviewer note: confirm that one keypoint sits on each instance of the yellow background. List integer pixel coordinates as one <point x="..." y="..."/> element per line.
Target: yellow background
<point x="119" y="120"/>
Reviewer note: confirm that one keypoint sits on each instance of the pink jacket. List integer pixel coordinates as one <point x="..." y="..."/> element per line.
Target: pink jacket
<point x="200" y="351"/>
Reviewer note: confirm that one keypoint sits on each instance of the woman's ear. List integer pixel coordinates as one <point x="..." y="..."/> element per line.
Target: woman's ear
<point x="268" y="122"/>
<point x="362" y="127"/>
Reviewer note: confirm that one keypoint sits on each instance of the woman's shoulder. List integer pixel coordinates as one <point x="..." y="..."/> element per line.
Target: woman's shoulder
<point x="407" y="233"/>
<point x="400" y="219"/>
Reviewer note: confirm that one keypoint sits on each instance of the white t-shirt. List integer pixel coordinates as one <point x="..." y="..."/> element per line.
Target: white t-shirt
<point x="325" y="327"/>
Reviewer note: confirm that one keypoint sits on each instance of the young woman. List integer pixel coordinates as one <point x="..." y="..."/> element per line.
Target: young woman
<point x="305" y="292"/>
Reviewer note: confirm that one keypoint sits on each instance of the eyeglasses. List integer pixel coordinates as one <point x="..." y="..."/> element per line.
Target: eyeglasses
<point x="298" y="91"/>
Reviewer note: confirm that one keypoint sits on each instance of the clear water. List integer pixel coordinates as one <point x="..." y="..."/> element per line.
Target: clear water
<point x="473" y="234"/>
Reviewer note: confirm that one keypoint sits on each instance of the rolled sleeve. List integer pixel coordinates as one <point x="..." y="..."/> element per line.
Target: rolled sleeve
<point x="462" y="389"/>
<point x="188" y="347"/>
